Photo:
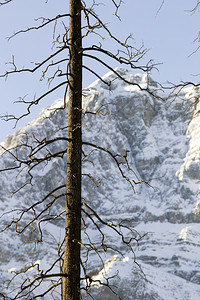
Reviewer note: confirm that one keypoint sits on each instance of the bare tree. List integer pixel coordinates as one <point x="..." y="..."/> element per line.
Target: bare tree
<point x="66" y="62"/>
<point x="71" y="267"/>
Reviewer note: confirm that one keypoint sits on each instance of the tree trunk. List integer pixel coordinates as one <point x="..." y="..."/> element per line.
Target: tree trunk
<point x="71" y="268"/>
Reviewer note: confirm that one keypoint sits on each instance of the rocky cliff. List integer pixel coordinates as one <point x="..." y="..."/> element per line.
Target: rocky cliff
<point x="163" y="140"/>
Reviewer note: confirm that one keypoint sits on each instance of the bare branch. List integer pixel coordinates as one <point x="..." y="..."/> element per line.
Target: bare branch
<point x="38" y="65"/>
<point x="45" y="22"/>
<point x="161" y="5"/>
<point x="5" y="2"/>
<point x="31" y="103"/>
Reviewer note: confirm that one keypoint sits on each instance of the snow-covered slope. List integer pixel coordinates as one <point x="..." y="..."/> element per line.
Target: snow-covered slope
<point x="164" y="143"/>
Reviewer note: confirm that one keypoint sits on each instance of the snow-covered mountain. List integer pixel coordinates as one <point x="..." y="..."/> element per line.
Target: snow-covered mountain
<point x="163" y="139"/>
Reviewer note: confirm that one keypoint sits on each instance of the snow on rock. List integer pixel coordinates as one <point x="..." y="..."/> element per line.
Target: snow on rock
<point x="163" y="140"/>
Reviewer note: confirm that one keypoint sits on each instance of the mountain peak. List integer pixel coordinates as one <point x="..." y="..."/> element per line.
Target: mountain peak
<point x="129" y="77"/>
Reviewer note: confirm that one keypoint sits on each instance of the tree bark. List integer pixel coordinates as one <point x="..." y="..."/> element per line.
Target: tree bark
<point x="71" y="268"/>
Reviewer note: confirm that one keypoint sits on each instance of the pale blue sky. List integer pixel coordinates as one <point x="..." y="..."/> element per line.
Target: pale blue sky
<point x="169" y="36"/>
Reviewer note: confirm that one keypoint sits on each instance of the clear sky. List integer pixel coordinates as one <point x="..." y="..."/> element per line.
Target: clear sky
<point x="169" y="36"/>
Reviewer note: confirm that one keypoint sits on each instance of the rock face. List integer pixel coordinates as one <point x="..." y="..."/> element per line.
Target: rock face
<point x="163" y="140"/>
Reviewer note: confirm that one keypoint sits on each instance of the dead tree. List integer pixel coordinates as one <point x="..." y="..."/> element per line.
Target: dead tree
<point x="66" y="62"/>
<point x="71" y="266"/>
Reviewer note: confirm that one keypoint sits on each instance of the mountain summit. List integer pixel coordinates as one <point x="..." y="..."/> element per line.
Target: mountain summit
<point x="163" y="144"/>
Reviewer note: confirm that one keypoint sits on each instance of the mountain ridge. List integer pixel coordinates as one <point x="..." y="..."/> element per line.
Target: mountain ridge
<point x="162" y="140"/>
